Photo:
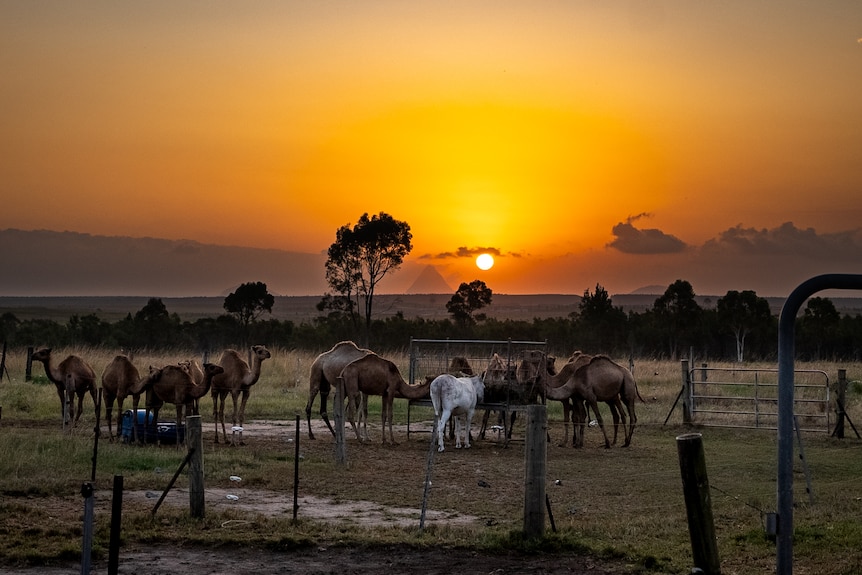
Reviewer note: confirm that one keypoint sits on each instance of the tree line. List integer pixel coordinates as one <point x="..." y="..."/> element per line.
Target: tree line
<point x="739" y="328"/>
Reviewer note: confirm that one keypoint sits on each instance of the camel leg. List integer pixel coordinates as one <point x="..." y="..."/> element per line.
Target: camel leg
<point x="579" y="419"/>
<point x="233" y="397"/>
<point x="633" y="419"/>
<point x="388" y="404"/>
<point x="324" y="398"/>
<point x="308" y="413"/>
<point x="354" y="412"/>
<point x="245" y="394"/>
<point x="109" y="409"/>
<point x="567" y="415"/>
<point x="79" y="410"/>
<point x="364" y="399"/>
<point x="221" y="401"/>
<point x="135" y="401"/>
<point x="594" y="405"/>
<point x="484" y="426"/>
<point x="215" y="414"/>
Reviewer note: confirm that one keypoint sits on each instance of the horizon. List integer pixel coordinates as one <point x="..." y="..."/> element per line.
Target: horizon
<point x="623" y="144"/>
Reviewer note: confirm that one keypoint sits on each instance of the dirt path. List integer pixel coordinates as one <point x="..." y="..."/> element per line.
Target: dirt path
<point x="334" y="560"/>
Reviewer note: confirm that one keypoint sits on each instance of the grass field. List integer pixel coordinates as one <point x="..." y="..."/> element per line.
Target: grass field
<point x="620" y="503"/>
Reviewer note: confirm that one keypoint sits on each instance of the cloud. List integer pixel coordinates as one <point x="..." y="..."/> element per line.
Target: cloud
<point x="463" y="252"/>
<point x="788" y="240"/>
<point x="631" y="240"/>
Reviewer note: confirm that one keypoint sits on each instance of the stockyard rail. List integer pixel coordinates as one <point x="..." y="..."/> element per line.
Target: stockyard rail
<point x="747" y="398"/>
<point x="431" y="357"/>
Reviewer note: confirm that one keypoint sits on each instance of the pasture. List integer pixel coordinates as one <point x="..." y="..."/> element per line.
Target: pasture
<point x="623" y="506"/>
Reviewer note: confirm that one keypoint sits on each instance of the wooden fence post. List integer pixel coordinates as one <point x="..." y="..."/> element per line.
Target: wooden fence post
<point x="535" y="470"/>
<point x="841" y="394"/>
<point x="194" y="443"/>
<point x="338" y="408"/>
<point x="695" y="487"/>
<point x="686" y="393"/>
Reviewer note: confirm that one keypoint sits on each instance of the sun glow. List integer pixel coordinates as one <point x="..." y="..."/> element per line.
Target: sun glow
<point x="484" y="261"/>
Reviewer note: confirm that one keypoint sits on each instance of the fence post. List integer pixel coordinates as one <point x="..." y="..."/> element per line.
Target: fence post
<point x="116" y="521"/>
<point x="535" y="470"/>
<point x="194" y="442"/>
<point x="695" y="487"/>
<point x="841" y="393"/>
<point x="686" y="393"/>
<point x="338" y="408"/>
<point x="87" y="543"/>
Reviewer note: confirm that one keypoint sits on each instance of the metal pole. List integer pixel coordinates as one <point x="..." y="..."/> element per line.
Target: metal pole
<point x="87" y="545"/>
<point x="296" y="471"/>
<point x="116" y="520"/>
<point x="786" y="352"/>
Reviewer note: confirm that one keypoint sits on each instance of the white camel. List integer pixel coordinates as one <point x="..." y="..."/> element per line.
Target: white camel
<point x="456" y="397"/>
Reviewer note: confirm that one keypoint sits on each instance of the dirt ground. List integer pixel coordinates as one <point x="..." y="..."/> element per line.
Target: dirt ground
<point x="333" y="560"/>
<point x="341" y="560"/>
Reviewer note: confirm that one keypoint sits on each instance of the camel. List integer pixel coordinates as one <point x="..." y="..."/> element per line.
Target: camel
<point x="173" y="384"/>
<point x="456" y="397"/>
<point x="499" y="375"/>
<point x="119" y="380"/>
<point x="599" y="379"/>
<point x="325" y="370"/>
<point x="71" y="376"/>
<point x="238" y="377"/>
<point x="194" y="369"/>
<point x="569" y="409"/>
<point x="374" y="375"/>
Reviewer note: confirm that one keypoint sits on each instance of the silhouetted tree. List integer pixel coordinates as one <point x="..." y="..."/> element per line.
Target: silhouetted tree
<point x="247" y="303"/>
<point x="741" y="313"/>
<point x="361" y="256"/>
<point x="469" y="298"/>
<point x="819" y="325"/>
<point x="154" y="326"/>
<point x="600" y="324"/>
<point x="678" y="313"/>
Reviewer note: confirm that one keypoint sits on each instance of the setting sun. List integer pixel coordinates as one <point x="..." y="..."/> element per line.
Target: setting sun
<point x="484" y="261"/>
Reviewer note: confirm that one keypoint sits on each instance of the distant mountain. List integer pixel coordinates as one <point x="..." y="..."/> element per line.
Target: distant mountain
<point x="649" y="290"/>
<point x="48" y="263"/>
<point x="431" y="282"/>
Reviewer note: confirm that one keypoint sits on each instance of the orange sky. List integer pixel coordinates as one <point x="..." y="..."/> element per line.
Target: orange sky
<point x="623" y="143"/>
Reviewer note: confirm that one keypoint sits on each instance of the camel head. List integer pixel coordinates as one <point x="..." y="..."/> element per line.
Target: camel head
<point x="210" y="371"/>
<point x="260" y="353"/>
<point x="43" y="355"/>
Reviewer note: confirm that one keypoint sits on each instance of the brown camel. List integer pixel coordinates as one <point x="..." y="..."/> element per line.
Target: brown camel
<point x="197" y="373"/>
<point x="72" y="376"/>
<point x="600" y="379"/>
<point x="238" y="377"/>
<point x="325" y="370"/>
<point x="119" y="380"/>
<point x="374" y="375"/>
<point x="569" y="409"/>
<point x="173" y="384"/>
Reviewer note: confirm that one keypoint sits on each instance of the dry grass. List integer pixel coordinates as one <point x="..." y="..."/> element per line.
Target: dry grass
<point x="615" y="503"/>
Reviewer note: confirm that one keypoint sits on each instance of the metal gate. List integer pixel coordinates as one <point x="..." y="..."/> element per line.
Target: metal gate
<point x="748" y="398"/>
<point x="431" y="357"/>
